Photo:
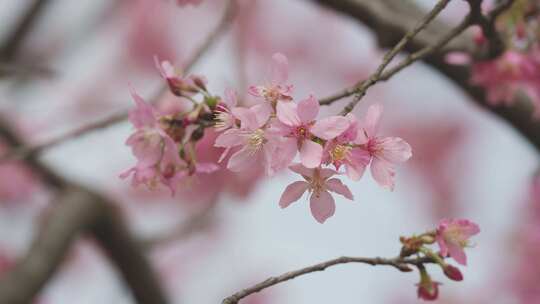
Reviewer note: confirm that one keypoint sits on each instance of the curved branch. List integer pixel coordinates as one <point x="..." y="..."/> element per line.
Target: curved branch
<point x="400" y="264"/>
<point x="361" y="88"/>
<point x="388" y="19"/>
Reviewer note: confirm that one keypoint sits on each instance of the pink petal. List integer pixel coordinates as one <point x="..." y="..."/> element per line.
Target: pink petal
<point x="325" y="173"/>
<point x="322" y="206"/>
<point x="256" y="91"/>
<point x="358" y="161"/>
<point x="308" y="109"/>
<point x="330" y="127"/>
<point x="442" y="245"/>
<point x="282" y="154"/>
<point x="146" y="147"/>
<point x="292" y="193"/>
<point x="287" y="113"/>
<point x="335" y="185"/>
<point x="241" y="160"/>
<point x="279" y="68"/>
<point x="231" y="98"/>
<point x="206" y="167"/>
<point x="383" y="173"/>
<point x="311" y="154"/>
<point x="372" y="118"/>
<point x="262" y="113"/>
<point x="300" y="169"/>
<point x="143" y="115"/>
<point x="394" y="149"/>
<point x="458" y="58"/>
<point x="457" y="253"/>
<point x="229" y="138"/>
<point x="248" y="118"/>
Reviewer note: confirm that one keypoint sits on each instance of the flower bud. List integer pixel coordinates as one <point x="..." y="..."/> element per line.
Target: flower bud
<point x="427" y="289"/>
<point x="453" y="273"/>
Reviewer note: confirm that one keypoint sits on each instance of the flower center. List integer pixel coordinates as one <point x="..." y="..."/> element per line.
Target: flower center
<point x="256" y="140"/>
<point x="456" y="237"/>
<point x="340" y="152"/>
<point x="316" y="184"/>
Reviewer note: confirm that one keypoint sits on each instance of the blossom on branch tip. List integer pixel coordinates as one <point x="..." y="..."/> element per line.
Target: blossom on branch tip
<point x="385" y="152"/>
<point x="453" y="236"/>
<point x="277" y="89"/>
<point x="318" y="183"/>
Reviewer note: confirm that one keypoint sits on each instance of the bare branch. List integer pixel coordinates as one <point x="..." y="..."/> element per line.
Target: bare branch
<point x="78" y="211"/>
<point x="16" y="37"/>
<point x="360" y="88"/>
<point x="400" y="264"/>
<point x="22" y="152"/>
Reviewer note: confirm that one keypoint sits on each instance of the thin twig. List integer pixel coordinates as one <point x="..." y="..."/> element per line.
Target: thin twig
<point x="399" y="263"/>
<point x="26" y="151"/>
<point x="360" y="88"/>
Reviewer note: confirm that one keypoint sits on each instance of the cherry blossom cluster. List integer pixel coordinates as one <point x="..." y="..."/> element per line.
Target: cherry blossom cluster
<point x="452" y="237"/>
<point x="517" y="70"/>
<point x="271" y="133"/>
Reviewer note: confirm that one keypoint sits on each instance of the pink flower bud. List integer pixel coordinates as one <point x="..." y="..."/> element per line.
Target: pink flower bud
<point x="453" y="273"/>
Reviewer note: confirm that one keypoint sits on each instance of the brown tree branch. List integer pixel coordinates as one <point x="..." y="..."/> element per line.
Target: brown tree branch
<point x="21" y="152"/>
<point x="78" y="211"/>
<point x="400" y="264"/>
<point x="16" y="37"/>
<point x="361" y="88"/>
<point x="389" y="19"/>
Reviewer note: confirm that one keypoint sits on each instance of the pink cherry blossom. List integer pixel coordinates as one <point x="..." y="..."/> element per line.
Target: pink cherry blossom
<point x="158" y="159"/>
<point x="223" y="113"/>
<point x="297" y="124"/>
<point x="277" y="88"/>
<point x="252" y="137"/>
<point x="318" y="183"/>
<point x="453" y="236"/>
<point x="179" y="85"/>
<point x="504" y="76"/>
<point x="386" y="152"/>
<point x="342" y="151"/>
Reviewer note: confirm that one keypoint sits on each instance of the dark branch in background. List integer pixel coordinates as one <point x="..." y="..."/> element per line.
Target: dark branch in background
<point x="400" y="264"/>
<point x="389" y="20"/>
<point x="76" y="210"/>
<point x="15" y="38"/>
<point x="21" y="152"/>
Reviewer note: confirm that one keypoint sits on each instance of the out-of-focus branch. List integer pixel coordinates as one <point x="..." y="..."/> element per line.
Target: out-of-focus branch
<point x="16" y="37"/>
<point x="76" y="210"/>
<point x="71" y="216"/>
<point x="399" y="263"/>
<point x="389" y="19"/>
<point x="223" y="25"/>
<point x="79" y="211"/>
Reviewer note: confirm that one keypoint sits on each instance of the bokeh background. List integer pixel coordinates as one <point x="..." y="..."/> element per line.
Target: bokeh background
<point x="74" y="67"/>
